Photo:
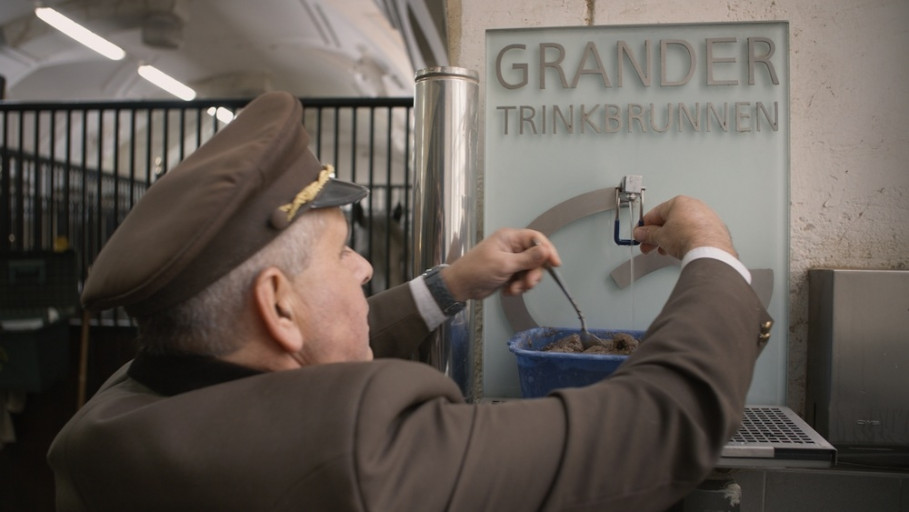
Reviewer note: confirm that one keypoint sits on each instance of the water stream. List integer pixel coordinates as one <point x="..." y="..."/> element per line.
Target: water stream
<point x="631" y="262"/>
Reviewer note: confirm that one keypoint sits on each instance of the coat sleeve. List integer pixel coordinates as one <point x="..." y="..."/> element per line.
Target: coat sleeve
<point x="639" y="440"/>
<point x="396" y="328"/>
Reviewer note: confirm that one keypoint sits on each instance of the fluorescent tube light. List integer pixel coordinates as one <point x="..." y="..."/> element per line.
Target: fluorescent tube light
<point x="166" y="82"/>
<point x="223" y="115"/>
<point x="80" y="33"/>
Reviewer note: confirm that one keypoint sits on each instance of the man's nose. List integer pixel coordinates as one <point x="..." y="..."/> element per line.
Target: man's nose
<point x="366" y="269"/>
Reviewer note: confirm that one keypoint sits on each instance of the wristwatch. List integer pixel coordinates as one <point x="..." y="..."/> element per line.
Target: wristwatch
<point x="447" y="303"/>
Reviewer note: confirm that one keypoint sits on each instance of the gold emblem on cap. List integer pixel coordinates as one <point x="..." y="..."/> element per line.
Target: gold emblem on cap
<point x="308" y="193"/>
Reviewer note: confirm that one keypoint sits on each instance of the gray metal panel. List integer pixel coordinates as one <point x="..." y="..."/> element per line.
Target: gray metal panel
<point x="858" y="372"/>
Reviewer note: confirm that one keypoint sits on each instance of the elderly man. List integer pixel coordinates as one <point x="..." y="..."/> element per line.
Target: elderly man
<point x="255" y="386"/>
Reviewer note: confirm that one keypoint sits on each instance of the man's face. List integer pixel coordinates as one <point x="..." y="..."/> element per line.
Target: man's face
<point x="331" y="305"/>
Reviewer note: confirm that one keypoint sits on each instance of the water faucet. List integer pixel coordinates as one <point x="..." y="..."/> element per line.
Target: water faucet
<point x="629" y="191"/>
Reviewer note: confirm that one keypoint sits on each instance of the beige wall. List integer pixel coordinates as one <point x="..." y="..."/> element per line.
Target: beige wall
<point x="850" y="108"/>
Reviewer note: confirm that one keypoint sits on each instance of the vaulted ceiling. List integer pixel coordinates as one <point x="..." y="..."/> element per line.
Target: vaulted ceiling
<point x="223" y="48"/>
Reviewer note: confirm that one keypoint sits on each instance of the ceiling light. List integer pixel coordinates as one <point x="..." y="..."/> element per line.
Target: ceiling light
<point x="223" y="115"/>
<point x="166" y="82"/>
<point x="80" y="33"/>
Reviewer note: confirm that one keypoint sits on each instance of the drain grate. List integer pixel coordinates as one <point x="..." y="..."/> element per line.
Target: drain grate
<point x="776" y="436"/>
<point x="770" y="425"/>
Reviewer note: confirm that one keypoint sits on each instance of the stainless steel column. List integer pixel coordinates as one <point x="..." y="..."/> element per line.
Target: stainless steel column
<point x="445" y="207"/>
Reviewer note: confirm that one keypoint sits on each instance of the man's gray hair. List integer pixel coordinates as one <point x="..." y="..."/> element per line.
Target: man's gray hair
<point x="210" y="323"/>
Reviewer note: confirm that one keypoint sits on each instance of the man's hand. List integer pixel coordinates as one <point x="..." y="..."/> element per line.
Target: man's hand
<point x="681" y="224"/>
<point x="511" y="259"/>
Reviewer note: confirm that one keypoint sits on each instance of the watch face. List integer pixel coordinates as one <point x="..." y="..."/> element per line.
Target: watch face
<point x="454" y="308"/>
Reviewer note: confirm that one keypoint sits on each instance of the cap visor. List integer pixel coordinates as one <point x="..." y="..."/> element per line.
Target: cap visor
<point x="338" y="193"/>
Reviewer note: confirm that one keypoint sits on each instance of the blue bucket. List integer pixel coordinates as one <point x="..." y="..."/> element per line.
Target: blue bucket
<point x="541" y="372"/>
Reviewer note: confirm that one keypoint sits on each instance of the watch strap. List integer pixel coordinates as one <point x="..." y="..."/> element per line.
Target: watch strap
<point x="440" y="292"/>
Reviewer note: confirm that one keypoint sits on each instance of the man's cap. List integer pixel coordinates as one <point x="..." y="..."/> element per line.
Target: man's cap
<point x="214" y="210"/>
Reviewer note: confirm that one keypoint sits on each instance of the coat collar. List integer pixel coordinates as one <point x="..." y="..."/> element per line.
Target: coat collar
<point x="172" y="374"/>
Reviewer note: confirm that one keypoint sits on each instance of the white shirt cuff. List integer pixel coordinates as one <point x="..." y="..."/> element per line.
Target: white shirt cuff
<point x="717" y="254"/>
<point x="430" y="311"/>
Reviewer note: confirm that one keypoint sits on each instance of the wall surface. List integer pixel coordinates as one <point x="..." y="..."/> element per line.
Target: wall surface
<point x="849" y="169"/>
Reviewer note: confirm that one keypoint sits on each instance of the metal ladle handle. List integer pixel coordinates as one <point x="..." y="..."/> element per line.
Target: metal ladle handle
<point x="558" y="279"/>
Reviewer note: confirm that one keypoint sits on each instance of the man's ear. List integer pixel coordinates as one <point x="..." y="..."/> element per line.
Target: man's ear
<point x="274" y="296"/>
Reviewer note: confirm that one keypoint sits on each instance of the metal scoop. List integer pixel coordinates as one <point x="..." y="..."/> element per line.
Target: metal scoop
<point x="587" y="339"/>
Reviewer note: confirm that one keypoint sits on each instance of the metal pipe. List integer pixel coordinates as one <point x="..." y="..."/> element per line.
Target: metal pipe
<point x="445" y="184"/>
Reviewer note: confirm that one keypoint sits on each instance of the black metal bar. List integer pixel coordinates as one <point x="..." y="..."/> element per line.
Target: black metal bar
<point x="6" y="221"/>
<point x="319" y="133"/>
<point x="36" y="213"/>
<point x="19" y="230"/>
<point x="52" y="157"/>
<point x="389" y="204"/>
<point x="165" y="139"/>
<point x="99" y="188"/>
<point x="86" y="221"/>
<point x="67" y="218"/>
<point x="116" y="178"/>
<point x="214" y="122"/>
<point x="132" y="157"/>
<point x="353" y="144"/>
<point x="182" y="133"/>
<point x="116" y="167"/>
<point x="148" y="146"/>
<point x="372" y="185"/>
<point x="198" y="127"/>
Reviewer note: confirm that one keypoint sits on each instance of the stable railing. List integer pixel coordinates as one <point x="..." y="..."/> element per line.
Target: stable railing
<point x="70" y="172"/>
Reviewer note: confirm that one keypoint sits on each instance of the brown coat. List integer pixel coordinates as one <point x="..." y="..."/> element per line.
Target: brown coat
<point x="393" y="435"/>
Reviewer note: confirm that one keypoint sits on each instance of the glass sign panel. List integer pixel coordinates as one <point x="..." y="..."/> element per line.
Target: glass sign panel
<point x="694" y="109"/>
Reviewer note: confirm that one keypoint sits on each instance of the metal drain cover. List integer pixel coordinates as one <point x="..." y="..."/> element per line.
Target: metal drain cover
<point x="776" y="436"/>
